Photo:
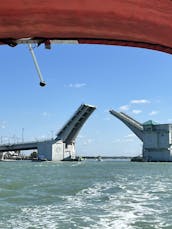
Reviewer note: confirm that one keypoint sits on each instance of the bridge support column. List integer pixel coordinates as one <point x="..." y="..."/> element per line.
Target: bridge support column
<point x="55" y="150"/>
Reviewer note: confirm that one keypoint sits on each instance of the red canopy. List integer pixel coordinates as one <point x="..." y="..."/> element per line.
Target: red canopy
<point x="139" y="23"/>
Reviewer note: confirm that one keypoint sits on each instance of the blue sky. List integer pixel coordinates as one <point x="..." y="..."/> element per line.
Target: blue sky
<point x="133" y="80"/>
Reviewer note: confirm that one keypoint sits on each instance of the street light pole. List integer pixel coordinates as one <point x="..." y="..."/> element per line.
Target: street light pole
<point x="22" y="135"/>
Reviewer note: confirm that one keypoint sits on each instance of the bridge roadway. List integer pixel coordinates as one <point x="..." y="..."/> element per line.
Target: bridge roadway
<point x="21" y="146"/>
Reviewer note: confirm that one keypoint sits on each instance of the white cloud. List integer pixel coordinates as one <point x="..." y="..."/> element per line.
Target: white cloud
<point x="76" y="85"/>
<point x="124" y="108"/>
<point x="88" y="141"/>
<point x="81" y="136"/>
<point x="42" y="137"/>
<point x="139" y="101"/>
<point x="116" y="140"/>
<point x="45" y="114"/>
<point x="136" y="111"/>
<point x="107" y="118"/>
<point x="130" y="136"/>
<point x="153" y="113"/>
<point x="3" y="125"/>
<point x="134" y="101"/>
<point x="127" y="138"/>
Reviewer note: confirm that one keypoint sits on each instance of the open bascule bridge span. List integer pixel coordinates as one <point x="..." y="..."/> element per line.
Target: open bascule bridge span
<point x="63" y="146"/>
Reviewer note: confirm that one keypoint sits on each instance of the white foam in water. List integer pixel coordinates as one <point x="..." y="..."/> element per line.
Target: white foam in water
<point x="120" y="211"/>
<point x="39" y="217"/>
<point x="112" y="211"/>
<point x="117" y="203"/>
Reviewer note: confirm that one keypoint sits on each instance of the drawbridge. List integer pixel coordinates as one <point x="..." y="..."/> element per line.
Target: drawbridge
<point x="63" y="146"/>
<point x="132" y="124"/>
<point x="156" y="138"/>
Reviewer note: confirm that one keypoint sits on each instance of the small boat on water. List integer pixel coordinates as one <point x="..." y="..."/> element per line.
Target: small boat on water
<point x="10" y="156"/>
<point x="37" y="160"/>
<point x="7" y="160"/>
<point x="99" y="158"/>
<point x="40" y="158"/>
<point x="77" y="158"/>
<point x="137" y="159"/>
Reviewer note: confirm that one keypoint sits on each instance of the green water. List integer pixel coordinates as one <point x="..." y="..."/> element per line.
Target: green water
<point x="88" y="194"/>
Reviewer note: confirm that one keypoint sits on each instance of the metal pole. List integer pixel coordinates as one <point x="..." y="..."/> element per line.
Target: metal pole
<point x="22" y="135"/>
<point x="42" y="83"/>
<point x="52" y="133"/>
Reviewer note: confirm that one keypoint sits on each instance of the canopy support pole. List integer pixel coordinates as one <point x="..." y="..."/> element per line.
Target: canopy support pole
<point x="42" y="82"/>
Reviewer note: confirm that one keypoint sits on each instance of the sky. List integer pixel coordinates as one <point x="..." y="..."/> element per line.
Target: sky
<point x="132" y="80"/>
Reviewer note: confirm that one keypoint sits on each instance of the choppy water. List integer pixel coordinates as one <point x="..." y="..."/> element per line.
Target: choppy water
<point x="89" y="194"/>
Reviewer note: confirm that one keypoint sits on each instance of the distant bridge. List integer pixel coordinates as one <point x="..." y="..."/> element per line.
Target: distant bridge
<point x="108" y="157"/>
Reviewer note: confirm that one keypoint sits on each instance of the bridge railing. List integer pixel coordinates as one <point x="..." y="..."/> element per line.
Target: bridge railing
<point x="24" y="143"/>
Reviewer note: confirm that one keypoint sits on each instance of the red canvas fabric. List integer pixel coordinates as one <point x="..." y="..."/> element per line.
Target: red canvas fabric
<point x="138" y="23"/>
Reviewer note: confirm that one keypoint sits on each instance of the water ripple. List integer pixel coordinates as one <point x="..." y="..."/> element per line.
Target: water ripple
<point x="90" y="195"/>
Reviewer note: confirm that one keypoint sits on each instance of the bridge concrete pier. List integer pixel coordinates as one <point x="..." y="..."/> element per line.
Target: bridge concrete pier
<point x="55" y="150"/>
